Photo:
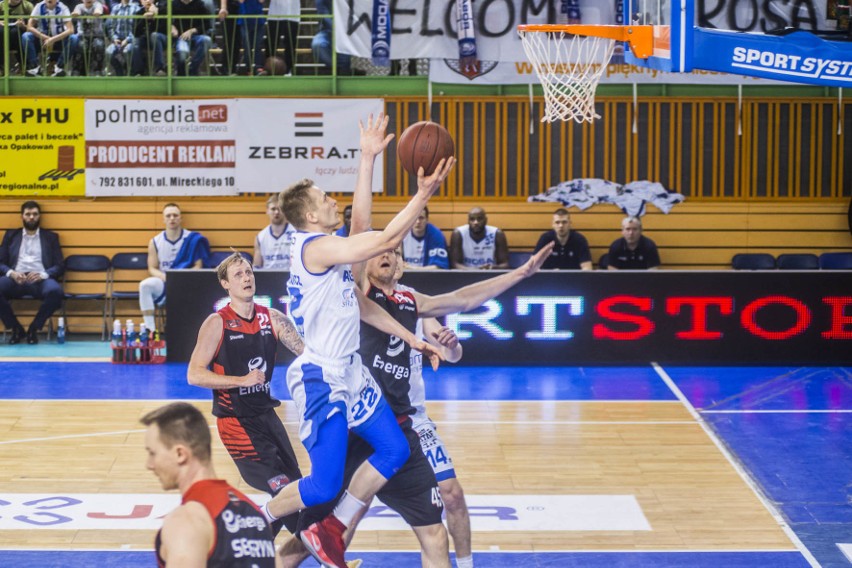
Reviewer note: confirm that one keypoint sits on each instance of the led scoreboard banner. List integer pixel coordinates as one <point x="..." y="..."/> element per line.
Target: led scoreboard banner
<point x="553" y="318"/>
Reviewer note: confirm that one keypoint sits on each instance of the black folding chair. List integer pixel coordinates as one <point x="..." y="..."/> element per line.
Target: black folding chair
<point x="835" y="261"/>
<point x="753" y="261"/>
<point x="799" y="261"/>
<point x="79" y="271"/>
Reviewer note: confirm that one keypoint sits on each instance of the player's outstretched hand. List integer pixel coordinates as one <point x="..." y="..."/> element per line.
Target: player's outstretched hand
<point x="429" y="351"/>
<point x="428" y="185"/>
<point x="533" y="265"/>
<point x="446" y="337"/>
<point x="374" y="139"/>
<point x="254" y="377"/>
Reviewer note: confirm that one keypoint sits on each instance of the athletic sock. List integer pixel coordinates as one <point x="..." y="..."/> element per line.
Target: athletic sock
<point x="266" y="514"/>
<point x="347" y="508"/>
<point x="466" y="562"/>
<point x="149" y="322"/>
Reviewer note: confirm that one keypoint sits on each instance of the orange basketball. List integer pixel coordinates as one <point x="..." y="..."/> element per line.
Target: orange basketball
<point x="424" y="144"/>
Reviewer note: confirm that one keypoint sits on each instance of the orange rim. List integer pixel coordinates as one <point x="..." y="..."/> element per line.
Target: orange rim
<point x="640" y="38"/>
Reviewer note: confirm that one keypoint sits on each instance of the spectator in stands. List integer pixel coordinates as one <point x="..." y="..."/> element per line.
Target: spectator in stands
<point x="232" y="33"/>
<point x="190" y="35"/>
<point x="321" y="44"/>
<point x="282" y="30"/>
<point x="633" y="250"/>
<point x="87" y="45"/>
<point x="119" y="49"/>
<point x="31" y="262"/>
<point x="272" y="244"/>
<point x="175" y="248"/>
<point x="343" y="231"/>
<point x="19" y="12"/>
<point x="150" y="31"/>
<point x="425" y="246"/>
<point x="478" y="245"/>
<point x="571" y="249"/>
<point x="252" y="40"/>
<point x="49" y="27"/>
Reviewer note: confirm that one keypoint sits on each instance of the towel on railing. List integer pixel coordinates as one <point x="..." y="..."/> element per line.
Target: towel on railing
<point x="195" y="247"/>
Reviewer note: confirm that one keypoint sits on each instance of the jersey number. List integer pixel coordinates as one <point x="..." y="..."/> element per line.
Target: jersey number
<point x="368" y="400"/>
<point x="437" y="456"/>
<point x="295" y="300"/>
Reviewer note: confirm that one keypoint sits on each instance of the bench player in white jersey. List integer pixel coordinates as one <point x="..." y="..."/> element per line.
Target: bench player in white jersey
<point x="327" y="382"/>
<point x="478" y="245"/>
<point x="162" y="251"/>
<point x="272" y="244"/>
<point x="382" y="274"/>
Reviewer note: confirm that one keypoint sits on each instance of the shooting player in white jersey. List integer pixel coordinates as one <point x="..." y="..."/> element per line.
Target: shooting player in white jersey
<point x="332" y="390"/>
<point x="380" y="280"/>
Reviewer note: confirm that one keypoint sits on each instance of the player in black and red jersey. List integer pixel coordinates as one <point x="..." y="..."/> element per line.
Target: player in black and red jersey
<point x="235" y="356"/>
<point x="215" y="525"/>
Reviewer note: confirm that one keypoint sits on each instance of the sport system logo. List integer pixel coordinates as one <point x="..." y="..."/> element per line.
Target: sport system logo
<point x="787" y="65"/>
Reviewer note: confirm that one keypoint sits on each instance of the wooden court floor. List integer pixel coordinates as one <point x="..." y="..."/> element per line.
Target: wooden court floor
<point x="690" y="493"/>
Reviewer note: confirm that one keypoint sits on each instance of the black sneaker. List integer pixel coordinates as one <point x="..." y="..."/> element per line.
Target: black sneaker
<point x="32" y="337"/>
<point x="18" y="334"/>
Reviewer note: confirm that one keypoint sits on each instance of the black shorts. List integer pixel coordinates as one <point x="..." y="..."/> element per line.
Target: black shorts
<point x="413" y="492"/>
<point x="261" y="449"/>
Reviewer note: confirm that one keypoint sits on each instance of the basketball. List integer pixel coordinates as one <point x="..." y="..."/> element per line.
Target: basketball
<point x="274" y="65"/>
<point x="424" y="144"/>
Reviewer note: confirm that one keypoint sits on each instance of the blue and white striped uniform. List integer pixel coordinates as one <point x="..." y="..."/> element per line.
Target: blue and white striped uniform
<point x="476" y="254"/>
<point x="328" y="377"/>
<point x="275" y="250"/>
<point x="167" y="250"/>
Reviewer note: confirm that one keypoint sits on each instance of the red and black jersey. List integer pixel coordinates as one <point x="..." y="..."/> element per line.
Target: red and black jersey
<point x="388" y="357"/>
<point x="242" y="537"/>
<point x="245" y="345"/>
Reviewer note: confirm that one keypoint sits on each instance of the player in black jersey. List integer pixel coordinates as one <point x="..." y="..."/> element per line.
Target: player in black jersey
<point x="235" y="356"/>
<point x="215" y="525"/>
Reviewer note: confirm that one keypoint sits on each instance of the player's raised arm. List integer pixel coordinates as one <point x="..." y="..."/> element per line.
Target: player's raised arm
<point x="474" y="295"/>
<point x="374" y="315"/>
<point x="286" y="332"/>
<point x="444" y="339"/>
<point x="325" y="252"/>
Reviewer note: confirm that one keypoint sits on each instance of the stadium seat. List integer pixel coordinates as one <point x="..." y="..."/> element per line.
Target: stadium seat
<point x="79" y="271"/>
<point x="518" y="258"/>
<point x="835" y="261"/>
<point x="126" y="286"/>
<point x="753" y="261"/>
<point x="804" y="261"/>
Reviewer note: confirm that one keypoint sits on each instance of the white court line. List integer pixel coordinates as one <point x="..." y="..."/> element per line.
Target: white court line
<point x="417" y="551"/>
<point x="737" y="466"/>
<point x="825" y="411"/>
<point x="442" y="422"/>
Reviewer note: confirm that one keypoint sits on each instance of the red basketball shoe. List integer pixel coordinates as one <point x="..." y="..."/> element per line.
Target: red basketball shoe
<point x="324" y="540"/>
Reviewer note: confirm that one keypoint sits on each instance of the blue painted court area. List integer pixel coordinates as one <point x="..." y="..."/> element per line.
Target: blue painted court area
<point x="51" y="559"/>
<point x="792" y="430"/>
<point x="107" y="381"/>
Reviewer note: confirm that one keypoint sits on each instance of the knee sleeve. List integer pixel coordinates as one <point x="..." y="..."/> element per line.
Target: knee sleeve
<point x="385" y="436"/>
<point x="328" y="458"/>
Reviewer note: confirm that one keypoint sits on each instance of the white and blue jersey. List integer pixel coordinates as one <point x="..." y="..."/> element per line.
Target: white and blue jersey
<point x="328" y="377"/>
<point x="481" y="253"/>
<point x="167" y="250"/>
<point x="275" y="251"/>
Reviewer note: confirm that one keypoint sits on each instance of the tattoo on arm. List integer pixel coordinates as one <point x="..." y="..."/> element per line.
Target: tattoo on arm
<point x="288" y="335"/>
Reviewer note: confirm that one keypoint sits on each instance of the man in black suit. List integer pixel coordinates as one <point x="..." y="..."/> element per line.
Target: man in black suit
<point x="30" y="263"/>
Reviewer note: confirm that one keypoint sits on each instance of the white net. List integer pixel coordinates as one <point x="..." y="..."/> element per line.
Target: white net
<point x="569" y="68"/>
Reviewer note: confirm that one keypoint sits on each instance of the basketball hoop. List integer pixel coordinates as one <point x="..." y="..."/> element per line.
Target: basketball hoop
<point x="570" y="59"/>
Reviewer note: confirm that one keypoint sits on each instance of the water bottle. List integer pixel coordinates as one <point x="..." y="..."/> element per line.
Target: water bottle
<point x="117" y="343"/>
<point x="145" y="347"/>
<point x="60" y="331"/>
<point x="132" y="338"/>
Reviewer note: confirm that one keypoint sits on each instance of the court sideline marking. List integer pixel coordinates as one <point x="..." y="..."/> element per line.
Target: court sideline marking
<point x="736" y="465"/>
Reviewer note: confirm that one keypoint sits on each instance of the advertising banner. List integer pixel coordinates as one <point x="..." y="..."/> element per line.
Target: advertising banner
<point x="161" y="147"/>
<point x="42" y="147"/>
<point x="624" y="317"/>
<point x="284" y="140"/>
<point x="223" y="147"/>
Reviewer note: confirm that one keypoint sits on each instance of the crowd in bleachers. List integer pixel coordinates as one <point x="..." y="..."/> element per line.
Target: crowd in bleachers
<point x="161" y="37"/>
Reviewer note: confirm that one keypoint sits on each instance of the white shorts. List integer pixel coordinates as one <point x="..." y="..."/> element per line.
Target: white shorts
<point x="433" y="447"/>
<point x="321" y="388"/>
